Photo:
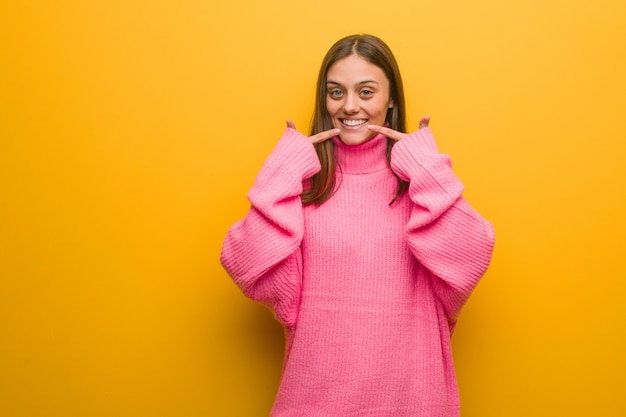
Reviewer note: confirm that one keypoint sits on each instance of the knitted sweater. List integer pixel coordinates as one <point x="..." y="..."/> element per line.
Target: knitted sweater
<point x="368" y="292"/>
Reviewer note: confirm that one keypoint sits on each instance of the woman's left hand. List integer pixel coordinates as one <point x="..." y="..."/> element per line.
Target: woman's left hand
<point x="394" y="134"/>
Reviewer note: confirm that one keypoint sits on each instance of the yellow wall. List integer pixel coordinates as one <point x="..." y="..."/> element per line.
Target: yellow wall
<point x="130" y="132"/>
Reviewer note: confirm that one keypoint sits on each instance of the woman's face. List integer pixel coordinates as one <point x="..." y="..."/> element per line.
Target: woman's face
<point x="357" y="95"/>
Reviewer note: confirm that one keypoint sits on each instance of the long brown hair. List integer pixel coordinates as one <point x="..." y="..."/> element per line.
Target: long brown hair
<point x="375" y="51"/>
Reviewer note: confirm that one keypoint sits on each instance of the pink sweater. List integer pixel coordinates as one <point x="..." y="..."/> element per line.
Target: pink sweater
<point x="368" y="292"/>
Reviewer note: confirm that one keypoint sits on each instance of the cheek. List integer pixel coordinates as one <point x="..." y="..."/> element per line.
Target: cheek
<point x="331" y="107"/>
<point x="379" y="111"/>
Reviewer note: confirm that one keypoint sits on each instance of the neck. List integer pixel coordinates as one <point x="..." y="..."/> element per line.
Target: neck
<point x="367" y="157"/>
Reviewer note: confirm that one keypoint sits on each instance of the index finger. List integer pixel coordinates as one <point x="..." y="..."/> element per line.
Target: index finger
<point x="325" y="135"/>
<point x="390" y="133"/>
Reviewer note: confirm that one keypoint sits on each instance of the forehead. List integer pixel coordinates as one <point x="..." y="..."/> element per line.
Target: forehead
<point x="354" y="69"/>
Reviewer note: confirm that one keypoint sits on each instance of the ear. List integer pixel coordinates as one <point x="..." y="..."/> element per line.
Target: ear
<point x="390" y="104"/>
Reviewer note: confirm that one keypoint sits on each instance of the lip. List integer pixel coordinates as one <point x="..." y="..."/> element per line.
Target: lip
<point x="356" y="126"/>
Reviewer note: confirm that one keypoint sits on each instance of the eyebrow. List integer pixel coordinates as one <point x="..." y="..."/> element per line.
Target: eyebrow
<point x="360" y="83"/>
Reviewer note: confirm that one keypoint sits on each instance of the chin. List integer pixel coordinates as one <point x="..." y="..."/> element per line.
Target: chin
<point x="355" y="139"/>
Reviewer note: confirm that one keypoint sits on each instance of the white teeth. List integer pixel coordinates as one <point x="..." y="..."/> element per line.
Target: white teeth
<point x="349" y="122"/>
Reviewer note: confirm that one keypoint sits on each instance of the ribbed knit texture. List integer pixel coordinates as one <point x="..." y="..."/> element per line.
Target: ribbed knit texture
<point x="368" y="292"/>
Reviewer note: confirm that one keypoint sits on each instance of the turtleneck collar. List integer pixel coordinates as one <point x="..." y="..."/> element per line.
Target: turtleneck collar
<point x="365" y="158"/>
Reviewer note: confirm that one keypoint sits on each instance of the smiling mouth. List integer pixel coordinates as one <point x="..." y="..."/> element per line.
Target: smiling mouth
<point x="353" y="122"/>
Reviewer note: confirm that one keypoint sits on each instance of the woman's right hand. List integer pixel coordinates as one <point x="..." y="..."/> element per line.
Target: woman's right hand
<point x="320" y="137"/>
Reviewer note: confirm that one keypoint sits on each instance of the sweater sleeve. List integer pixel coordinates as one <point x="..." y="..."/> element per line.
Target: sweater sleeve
<point x="444" y="232"/>
<point x="261" y="252"/>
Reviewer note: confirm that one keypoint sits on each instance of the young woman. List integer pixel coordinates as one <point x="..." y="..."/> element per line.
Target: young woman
<point x="361" y="243"/>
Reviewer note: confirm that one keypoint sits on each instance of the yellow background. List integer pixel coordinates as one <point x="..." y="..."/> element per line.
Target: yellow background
<point x="131" y="131"/>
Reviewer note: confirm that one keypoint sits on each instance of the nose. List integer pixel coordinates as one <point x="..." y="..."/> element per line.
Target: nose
<point x="351" y="105"/>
